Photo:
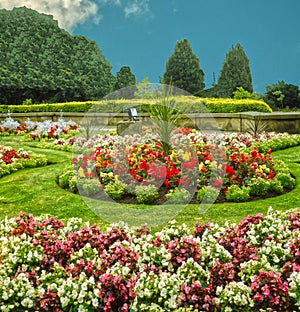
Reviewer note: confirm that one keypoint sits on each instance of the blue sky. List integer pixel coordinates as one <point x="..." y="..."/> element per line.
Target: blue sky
<point x="142" y="33"/>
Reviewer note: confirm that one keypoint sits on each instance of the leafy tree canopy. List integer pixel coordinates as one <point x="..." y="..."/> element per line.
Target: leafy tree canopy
<point x="235" y="72"/>
<point x="183" y="69"/>
<point x="125" y="83"/>
<point x="282" y="95"/>
<point x="41" y="61"/>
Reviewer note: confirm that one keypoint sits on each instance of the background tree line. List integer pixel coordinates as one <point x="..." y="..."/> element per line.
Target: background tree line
<point x="40" y="62"/>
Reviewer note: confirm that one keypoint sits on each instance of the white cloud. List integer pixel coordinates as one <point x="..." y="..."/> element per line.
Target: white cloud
<point x="70" y="13"/>
<point x="137" y="8"/>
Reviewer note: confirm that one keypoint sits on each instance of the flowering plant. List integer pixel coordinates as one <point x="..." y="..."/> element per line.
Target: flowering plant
<point x="37" y="130"/>
<point x="47" y="265"/>
<point x="197" y="161"/>
<point x="12" y="159"/>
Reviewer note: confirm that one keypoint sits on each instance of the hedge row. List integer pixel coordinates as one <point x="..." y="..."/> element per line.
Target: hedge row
<point x="184" y="104"/>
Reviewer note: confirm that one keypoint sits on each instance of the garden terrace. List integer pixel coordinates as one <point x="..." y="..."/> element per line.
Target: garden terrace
<point x="276" y="121"/>
<point x="58" y="254"/>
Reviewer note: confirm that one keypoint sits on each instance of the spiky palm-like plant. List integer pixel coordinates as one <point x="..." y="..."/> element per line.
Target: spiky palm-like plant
<point x="165" y="117"/>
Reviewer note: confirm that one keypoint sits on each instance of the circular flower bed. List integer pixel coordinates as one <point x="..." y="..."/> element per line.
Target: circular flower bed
<point x="50" y="266"/>
<point x="135" y="169"/>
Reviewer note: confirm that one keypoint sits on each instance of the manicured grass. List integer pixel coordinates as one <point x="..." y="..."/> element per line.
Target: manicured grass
<point x="35" y="191"/>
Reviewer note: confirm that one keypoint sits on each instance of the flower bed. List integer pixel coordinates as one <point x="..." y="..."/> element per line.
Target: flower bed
<point x="50" y="266"/>
<point x="37" y="130"/>
<point x="199" y="167"/>
<point x="12" y="160"/>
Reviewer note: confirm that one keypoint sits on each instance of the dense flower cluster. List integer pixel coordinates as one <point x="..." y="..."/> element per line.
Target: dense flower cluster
<point x="38" y="130"/>
<point x="196" y="161"/>
<point x="12" y="159"/>
<point x="50" y="266"/>
<point x="8" y="154"/>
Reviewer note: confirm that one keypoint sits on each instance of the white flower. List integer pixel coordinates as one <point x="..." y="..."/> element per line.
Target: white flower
<point x="125" y="270"/>
<point x="172" y="302"/>
<point x="95" y="302"/>
<point x="64" y="301"/>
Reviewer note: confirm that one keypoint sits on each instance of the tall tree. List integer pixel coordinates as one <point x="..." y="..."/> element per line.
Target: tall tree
<point x="183" y="69"/>
<point x="125" y="78"/>
<point x="43" y="62"/>
<point x="235" y="73"/>
<point x="282" y="95"/>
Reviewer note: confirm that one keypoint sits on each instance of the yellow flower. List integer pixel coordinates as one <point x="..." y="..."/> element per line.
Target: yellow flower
<point x="81" y="172"/>
<point x="186" y="156"/>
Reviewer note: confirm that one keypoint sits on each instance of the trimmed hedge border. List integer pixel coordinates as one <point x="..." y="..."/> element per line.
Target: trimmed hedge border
<point x="184" y="104"/>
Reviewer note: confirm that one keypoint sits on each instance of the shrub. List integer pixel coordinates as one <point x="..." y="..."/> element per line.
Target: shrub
<point x="115" y="190"/>
<point x="258" y="186"/>
<point x="280" y="167"/>
<point x="237" y="194"/>
<point x="285" y="179"/>
<point x="73" y="184"/>
<point x="65" y="177"/>
<point x="178" y="196"/>
<point x="146" y="194"/>
<point x="90" y="186"/>
<point x="208" y="193"/>
<point x="185" y="104"/>
<point x="276" y="186"/>
<point x="236" y="106"/>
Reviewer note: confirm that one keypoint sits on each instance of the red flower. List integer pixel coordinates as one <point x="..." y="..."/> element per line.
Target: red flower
<point x="144" y="165"/>
<point x="254" y="153"/>
<point x="218" y="183"/>
<point x="229" y="170"/>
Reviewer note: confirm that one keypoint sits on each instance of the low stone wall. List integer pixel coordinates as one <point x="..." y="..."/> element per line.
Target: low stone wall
<point x="277" y="121"/>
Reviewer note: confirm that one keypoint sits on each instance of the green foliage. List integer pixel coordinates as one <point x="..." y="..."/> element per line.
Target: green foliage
<point x="237" y="106"/>
<point x="235" y="72"/>
<point x="282" y="95"/>
<point x="278" y="144"/>
<point x="43" y="62"/>
<point x="125" y="78"/>
<point x="115" y="190"/>
<point x="280" y="167"/>
<point x="35" y="160"/>
<point x="178" y="196"/>
<point x="275" y="185"/>
<point x="259" y="186"/>
<point x="165" y="116"/>
<point x="208" y="193"/>
<point x="88" y="186"/>
<point x="257" y="125"/>
<point x="65" y="177"/>
<point x="183" y="69"/>
<point x="241" y="93"/>
<point x="183" y="103"/>
<point x="237" y="194"/>
<point x="285" y="179"/>
<point x="146" y="194"/>
<point x="73" y="184"/>
<point x="143" y="89"/>
<point x="27" y="102"/>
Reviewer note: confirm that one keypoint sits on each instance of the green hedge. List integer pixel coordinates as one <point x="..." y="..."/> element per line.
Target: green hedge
<point x="184" y="104"/>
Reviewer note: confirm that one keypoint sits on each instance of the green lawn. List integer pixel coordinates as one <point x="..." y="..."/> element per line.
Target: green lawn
<point x="35" y="191"/>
